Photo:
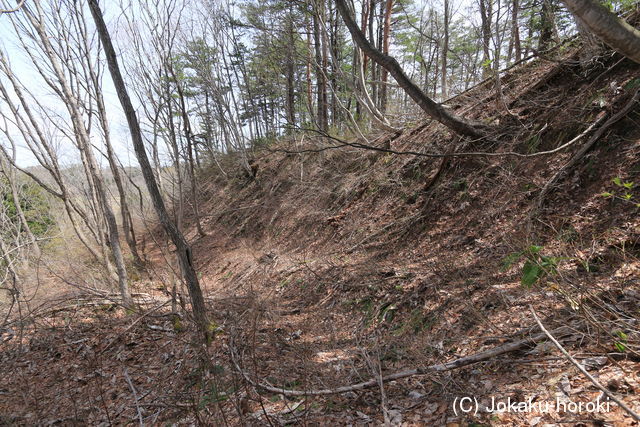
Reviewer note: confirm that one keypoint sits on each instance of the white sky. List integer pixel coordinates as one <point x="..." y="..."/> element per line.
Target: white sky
<point x="24" y="70"/>
<point x="119" y="130"/>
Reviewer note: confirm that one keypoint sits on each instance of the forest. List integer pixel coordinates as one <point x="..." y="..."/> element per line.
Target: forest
<point x="320" y="212"/>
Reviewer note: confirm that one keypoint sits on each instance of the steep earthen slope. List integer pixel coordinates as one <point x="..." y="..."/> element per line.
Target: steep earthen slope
<point x="334" y="266"/>
<point x="361" y="261"/>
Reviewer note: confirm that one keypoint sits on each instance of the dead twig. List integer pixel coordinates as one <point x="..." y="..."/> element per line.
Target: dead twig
<point x="135" y="322"/>
<point x="15" y="9"/>
<point x="135" y="395"/>
<point x="342" y="143"/>
<point x="582" y="369"/>
<point x="441" y="367"/>
<point x="585" y="148"/>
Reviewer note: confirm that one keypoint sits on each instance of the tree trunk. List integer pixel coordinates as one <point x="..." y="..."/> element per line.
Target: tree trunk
<point x="182" y="247"/>
<point x="178" y="208"/>
<point x="312" y="116"/>
<point x="335" y="70"/>
<point x="321" y="86"/>
<point x="291" y="100"/>
<point x="385" y="50"/>
<point x="515" y="31"/>
<point x="325" y="65"/>
<point x="547" y="23"/>
<point x="127" y="222"/>
<point x="374" y="65"/>
<point x="190" y="147"/>
<point x="445" y="50"/>
<point x="612" y="30"/>
<point x="434" y="110"/>
<point x="366" y="6"/>
<point x="485" y="15"/>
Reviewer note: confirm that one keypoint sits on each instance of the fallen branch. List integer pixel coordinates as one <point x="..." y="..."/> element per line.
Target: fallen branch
<point x="585" y="148"/>
<point x="135" y="396"/>
<point x="582" y="369"/>
<point x="454" y="364"/>
<point x="341" y="143"/>
<point x="135" y="322"/>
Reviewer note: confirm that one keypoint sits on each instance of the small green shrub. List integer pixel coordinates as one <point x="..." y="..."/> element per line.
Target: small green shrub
<point x="536" y="266"/>
<point x="34" y="203"/>
<point x="620" y="343"/>
<point x="623" y="191"/>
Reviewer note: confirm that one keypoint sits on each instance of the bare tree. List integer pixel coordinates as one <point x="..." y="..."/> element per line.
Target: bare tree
<point x="433" y="109"/>
<point x="182" y="247"/>
<point x="89" y="64"/>
<point x="47" y="60"/>
<point x="25" y="119"/>
<point x="69" y="97"/>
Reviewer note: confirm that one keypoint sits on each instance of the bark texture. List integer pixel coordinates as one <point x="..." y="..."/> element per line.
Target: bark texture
<point x="182" y="247"/>
<point x="433" y="109"/>
<point x="607" y="26"/>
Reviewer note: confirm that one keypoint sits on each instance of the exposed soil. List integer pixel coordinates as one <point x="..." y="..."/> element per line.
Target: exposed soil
<point x="329" y="268"/>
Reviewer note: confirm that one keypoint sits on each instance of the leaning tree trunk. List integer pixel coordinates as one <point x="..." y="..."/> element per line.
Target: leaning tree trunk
<point x="84" y="144"/>
<point x="433" y="109"/>
<point x="612" y="30"/>
<point x="182" y="247"/>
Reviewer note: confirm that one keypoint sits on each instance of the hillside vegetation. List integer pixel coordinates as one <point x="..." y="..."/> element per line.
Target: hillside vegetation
<point x="337" y="264"/>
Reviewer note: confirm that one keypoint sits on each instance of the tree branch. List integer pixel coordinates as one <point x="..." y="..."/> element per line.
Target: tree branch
<point x="433" y="109"/>
<point x="454" y="364"/>
<point x="343" y="143"/>
<point x="15" y="9"/>
<point x="582" y="369"/>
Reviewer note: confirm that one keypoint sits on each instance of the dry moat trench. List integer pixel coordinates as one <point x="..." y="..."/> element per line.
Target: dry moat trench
<point x="336" y="267"/>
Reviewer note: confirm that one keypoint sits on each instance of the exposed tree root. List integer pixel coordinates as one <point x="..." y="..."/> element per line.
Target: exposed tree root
<point x="585" y="148"/>
<point x="442" y="367"/>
